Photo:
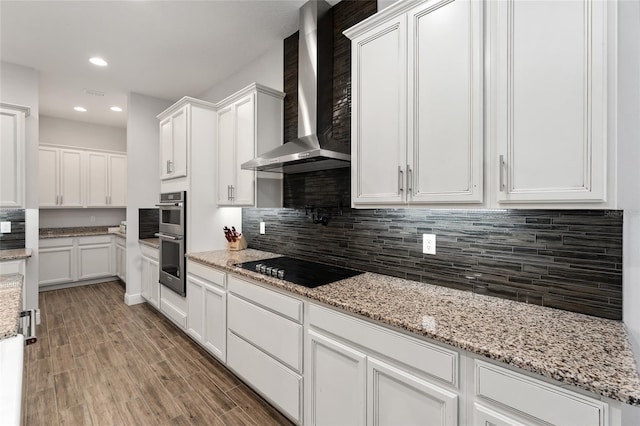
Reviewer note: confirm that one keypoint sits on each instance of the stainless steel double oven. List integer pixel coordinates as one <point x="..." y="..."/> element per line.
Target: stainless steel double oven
<point x="173" y="227"/>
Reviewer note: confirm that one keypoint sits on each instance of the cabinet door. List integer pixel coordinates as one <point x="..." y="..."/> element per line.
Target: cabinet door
<point x="166" y="148"/>
<point x="154" y="297"/>
<point x="226" y="155"/>
<point x="336" y="382"/>
<point x="48" y="177"/>
<point x="395" y="397"/>
<point x="195" y="308"/>
<point x="117" y="180"/>
<point x="179" y="131"/>
<point x="445" y="114"/>
<point x="97" y="179"/>
<point x="12" y="140"/>
<point x="56" y="265"/>
<point x="145" y="278"/>
<point x="483" y="416"/>
<point x="215" y="321"/>
<point x="71" y="178"/>
<point x="94" y="261"/>
<point x="550" y="100"/>
<point x="243" y="192"/>
<point x="379" y="125"/>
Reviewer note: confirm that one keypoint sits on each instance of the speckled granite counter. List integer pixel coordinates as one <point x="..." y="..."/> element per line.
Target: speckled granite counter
<point x="15" y="254"/>
<point x="83" y="231"/>
<point x="10" y="304"/>
<point x="151" y="242"/>
<point x="589" y="352"/>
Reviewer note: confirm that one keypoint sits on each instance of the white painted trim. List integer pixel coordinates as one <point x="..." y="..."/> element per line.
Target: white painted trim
<point x="381" y="17"/>
<point x="25" y="109"/>
<point x="76" y="283"/>
<point x="133" y="299"/>
<point x="79" y="148"/>
<point x="186" y="100"/>
<point x="253" y="87"/>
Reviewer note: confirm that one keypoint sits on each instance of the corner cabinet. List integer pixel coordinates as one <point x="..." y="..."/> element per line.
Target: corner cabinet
<point x="548" y="113"/>
<point x="12" y="154"/>
<point x="249" y="123"/>
<point x="417" y="129"/>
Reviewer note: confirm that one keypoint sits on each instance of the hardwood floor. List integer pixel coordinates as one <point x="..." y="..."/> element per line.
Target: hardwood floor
<point x="98" y="361"/>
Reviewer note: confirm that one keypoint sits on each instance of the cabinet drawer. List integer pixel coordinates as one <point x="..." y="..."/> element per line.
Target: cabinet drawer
<point x="94" y="239"/>
<point x="274" y="301"/>
<point x="275" y="382"/>
<point x="212" y="275"/>
<point x="536" y="398"/>
<point x="431" y="359"/>
<point x="276" y="335"/>
<point x="149" y="252"/>
<point x="55" y="242"/>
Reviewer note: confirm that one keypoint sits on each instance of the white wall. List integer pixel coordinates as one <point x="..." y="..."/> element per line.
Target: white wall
<point x="266" y="70"/>
<point x="19" y="85"/>
<point x="143" y="175"/>
<point x="63" y="218"/>
<point x="60" y="131"/>
<point x="628" y="162"/>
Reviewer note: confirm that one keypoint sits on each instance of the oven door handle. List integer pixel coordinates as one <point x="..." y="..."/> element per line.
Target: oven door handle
<point x="169" y="204"/>
<point x="167" y="236"/>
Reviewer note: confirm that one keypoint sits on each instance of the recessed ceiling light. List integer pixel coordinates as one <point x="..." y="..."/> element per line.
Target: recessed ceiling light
<point x="116" y="109"/>
<point x="98" y="61"/>
<point x="80" y="109"/>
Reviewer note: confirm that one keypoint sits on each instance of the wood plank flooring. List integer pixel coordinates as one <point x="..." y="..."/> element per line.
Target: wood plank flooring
<point x="100" y="362"/>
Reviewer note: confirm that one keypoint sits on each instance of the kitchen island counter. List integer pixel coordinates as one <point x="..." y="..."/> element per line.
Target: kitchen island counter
<point x="589" y="352"/>
<point x="10" y="304"/>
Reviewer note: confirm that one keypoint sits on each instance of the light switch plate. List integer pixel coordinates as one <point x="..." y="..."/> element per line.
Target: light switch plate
<point x="5" y="227"/>
<point x="263" y="229"/>
<point x="429" y="243"/>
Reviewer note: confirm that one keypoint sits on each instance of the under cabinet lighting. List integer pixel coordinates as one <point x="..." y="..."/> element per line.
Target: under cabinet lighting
<point x="98" y="61"/>
<point x="80" y="109"/>
<point x="116" y="109"/>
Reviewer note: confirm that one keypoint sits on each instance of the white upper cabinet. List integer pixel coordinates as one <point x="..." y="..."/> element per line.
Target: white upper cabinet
<point x="548" y="112"/>
<point x="249" y="123"/>
<point x="174" y="144"/>
<point x="107" y="180"/>
<point x="417" y="135"/>
<point x="378" y="126"/>
<point x="445" y="132"/>
<point x="12" y="155"/>
<point x="60" y="180"/>
<point x="80" y="178"/>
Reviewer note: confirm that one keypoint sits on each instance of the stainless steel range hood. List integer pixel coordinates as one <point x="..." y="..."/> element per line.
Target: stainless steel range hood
<point x="314" y="149"/>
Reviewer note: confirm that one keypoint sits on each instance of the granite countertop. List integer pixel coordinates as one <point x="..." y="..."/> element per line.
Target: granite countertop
<point x="82" y="231"/>
<point x="10" y="304"/>
<point x="589" y="352"/>
<point x="15" y="254"/>
<point x="151" y="242"/>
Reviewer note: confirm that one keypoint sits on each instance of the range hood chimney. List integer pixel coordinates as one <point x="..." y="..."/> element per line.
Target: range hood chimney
<point x="314" y="149"/>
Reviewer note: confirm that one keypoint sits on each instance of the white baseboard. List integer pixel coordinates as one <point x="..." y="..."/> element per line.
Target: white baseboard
<point x="76" y="283"/>
<point x="133" y="299"/>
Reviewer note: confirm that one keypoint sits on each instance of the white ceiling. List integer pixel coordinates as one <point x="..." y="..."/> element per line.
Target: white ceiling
<point x="164" y="49"/>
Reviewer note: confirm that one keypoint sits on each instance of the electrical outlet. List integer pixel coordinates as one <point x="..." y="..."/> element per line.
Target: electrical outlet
<point x="263" y="229"/>
<point x="429" y="243"/>
<point x="5" y="227"/>
<point x="93" y="219"/>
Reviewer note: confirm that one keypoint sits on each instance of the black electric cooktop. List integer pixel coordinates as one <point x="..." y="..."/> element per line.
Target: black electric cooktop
<point x="297" y="271"/>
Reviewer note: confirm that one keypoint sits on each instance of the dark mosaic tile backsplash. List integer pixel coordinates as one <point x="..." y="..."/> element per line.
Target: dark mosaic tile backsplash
<point x="566" y="259"/>
<point x="148" y="223"/>
<point x="16" y="239"/>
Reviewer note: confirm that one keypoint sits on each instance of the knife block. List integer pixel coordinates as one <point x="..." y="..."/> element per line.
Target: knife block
<point x="239" y="244"/>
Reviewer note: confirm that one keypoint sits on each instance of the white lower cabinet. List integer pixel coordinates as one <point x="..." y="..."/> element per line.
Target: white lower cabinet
<point x="397" y="397"/>
<point x="336" y="382"/>
<point x="488" y="417"/>
<point x="349" y="382"/>
<point x="264" y="343"/>
<point x="94" y="257"/>
<point x="540" y="402"/>
<point x="207" y="308"/>
<point x="121" y="258"/>
<point x="65" y="260"/>
<point x="150" y="275"/>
